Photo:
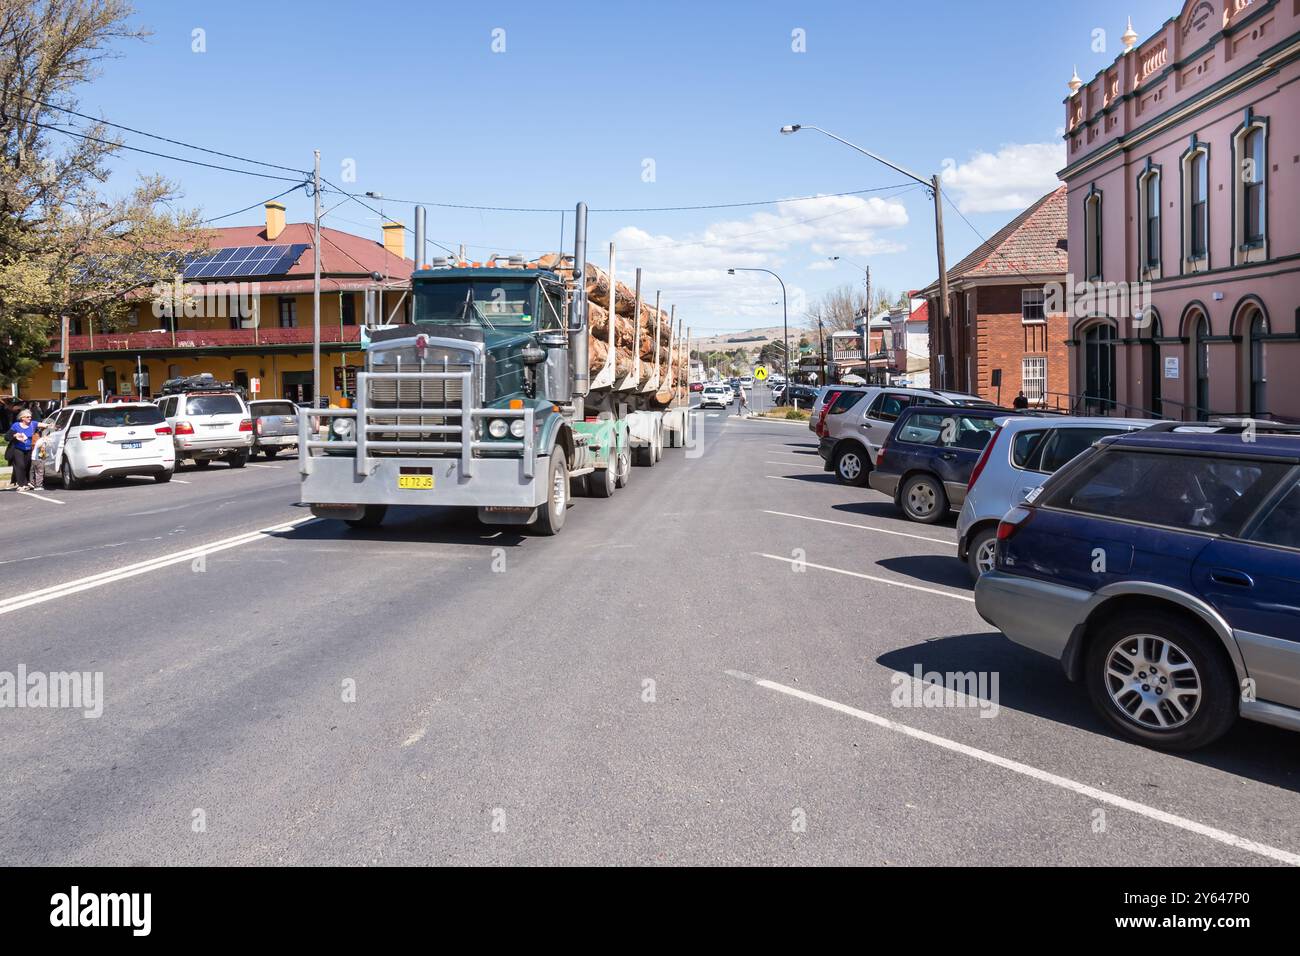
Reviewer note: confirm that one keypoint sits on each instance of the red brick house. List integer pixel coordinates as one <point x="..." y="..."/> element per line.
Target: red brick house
<point x="998" y="324"/>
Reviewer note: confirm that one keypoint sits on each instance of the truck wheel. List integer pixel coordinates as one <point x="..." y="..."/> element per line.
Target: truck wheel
<point x="202" y="462"/>
<point x="372" y="518"/>
<point x="659" y="444"/>
<point x="624" y="473"/>
<point x="270" y="453"/>
<point x="550" y="517"/>
<point x="602" y="482"/>
<point x="644" y="455"/>
<point x="579" y="486"/>
<point x="1161" y="680"/>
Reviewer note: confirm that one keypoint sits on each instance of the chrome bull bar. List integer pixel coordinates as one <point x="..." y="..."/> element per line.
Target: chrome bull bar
<point x="361" y="442"/>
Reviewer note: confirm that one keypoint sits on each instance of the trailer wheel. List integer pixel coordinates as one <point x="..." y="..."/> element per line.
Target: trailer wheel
<point x="624" y="473"/>
<point x="550" y="517"/>
<point x="644" y="455"/>
<point x="659" y="443"/>
<point x="602" y="482"/>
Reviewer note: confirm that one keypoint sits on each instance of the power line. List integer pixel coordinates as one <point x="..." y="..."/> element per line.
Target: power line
<point x="381" y="216"/>
<point x="254" y="205"/>
<point x="985" y="242"/>
<point x="165" y="139"/>
<point x="149" y="152"/>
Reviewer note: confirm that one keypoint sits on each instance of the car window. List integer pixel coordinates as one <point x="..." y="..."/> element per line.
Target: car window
<point x="76" y="418"/>
<point x="1025" y="448"/>
<point x="843" y="402"/>
<point x="213" y="405"/>
<point x="1186" y="492"/>
<point x="61" y="419"/>
<point x="124" y="417"/>
<point x="947" y="430"/>
<point x="1281" y="526"/>
<point x="889" y="406"/>
<point x="1063" y="444"/>
<point x="274" y="408"/>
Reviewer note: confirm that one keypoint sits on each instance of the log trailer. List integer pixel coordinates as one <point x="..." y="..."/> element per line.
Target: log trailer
<point x="486" y="400"/>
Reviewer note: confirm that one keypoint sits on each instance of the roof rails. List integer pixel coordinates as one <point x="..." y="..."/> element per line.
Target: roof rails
<point x="203" y="382"/>
<point x="1230" y="426"/>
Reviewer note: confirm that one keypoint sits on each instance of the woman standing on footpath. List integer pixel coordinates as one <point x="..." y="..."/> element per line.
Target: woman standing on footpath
<point x="19" y="452"/>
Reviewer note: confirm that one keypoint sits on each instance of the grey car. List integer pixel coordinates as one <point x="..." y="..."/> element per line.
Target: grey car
<point x="1019" y="458"/>
<point x="275" y="425"/>
<point x="856" y="425"/>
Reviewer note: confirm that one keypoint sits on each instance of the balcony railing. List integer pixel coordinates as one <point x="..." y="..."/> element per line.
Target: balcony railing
<point x="164" y="340"/>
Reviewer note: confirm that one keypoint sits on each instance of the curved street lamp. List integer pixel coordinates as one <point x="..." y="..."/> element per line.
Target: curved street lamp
<point x="785" y="318"/>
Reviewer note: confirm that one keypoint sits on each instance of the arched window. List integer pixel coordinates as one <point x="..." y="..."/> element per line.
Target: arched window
<point x="1092" y="235"/>
<point x="1149" y="230"/>
<point x="1196" y="208"/>
<point x="1099" y="370"/>
<point x="1257" y="344"/>
<point x="1201" y="366"/>
<point x="1250" y="190"/>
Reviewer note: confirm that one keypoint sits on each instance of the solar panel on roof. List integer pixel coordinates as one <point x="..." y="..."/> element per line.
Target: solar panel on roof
<point x="239" y="261"/>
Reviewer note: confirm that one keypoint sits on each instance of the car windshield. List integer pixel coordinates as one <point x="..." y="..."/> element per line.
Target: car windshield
<point x="123" y="417"/>
<point x="273" y="408"/>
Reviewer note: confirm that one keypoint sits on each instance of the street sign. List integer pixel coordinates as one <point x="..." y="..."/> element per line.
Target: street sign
<point x="255" y="385"/>
<point x="345" y="379"/>
<point x="760" y="373"/>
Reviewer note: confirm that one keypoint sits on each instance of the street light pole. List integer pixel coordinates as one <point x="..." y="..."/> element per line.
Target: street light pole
<point x="315" y="289"/>
<point x="785" y="318"/>
<point x="935" y="188"/>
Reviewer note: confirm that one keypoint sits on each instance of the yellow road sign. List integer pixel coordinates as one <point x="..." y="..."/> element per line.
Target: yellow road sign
<point x="760" y="373"/>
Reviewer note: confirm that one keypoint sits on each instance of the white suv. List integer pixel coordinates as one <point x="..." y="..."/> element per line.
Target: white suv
<point x="208" y="425"/>
<point x="89" y="442"/>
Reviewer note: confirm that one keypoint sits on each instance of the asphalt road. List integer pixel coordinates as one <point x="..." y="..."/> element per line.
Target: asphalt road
<point x="699" y="670"/>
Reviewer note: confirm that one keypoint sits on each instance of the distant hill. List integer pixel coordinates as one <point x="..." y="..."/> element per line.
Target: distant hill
<point x="751" y="340"/>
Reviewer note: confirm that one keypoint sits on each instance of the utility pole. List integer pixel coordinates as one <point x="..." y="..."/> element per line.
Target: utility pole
<point x="943" y="279"/>
<point x="315" y="289"/>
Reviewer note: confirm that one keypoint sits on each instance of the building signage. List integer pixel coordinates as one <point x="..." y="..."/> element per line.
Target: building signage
<point x="1171" y="366"/>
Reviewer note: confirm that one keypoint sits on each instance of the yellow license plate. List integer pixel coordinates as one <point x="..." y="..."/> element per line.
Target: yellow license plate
<point x="415" y="482"/>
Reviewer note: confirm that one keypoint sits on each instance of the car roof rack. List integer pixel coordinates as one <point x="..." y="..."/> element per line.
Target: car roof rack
<point x="203" y="382"/>
<point x="1229" y="426"/>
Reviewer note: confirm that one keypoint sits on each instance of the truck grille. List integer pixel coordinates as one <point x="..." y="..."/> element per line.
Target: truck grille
<point x="434" y="394"/>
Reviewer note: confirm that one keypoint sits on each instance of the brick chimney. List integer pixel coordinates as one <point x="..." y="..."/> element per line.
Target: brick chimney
<point x="395" y="238"/>
<point x="274" y="220"/>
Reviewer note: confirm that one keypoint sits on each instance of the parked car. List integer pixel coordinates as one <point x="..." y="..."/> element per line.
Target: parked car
<point x="1161" y="568"/>
<point x="1020" y="457"/>
<point x="777" y="389"/>
<point x="926" y="461"/>
<point x="275" y="426"/>
<point x="715" y="395"/>
<point x="209" y="423"/>
<point x="92" y="442"/>
<point x="851" y="434"/>
<point x="799" y="396"/>
<point x="843" y="396"/>
<point x="697" y="386"/>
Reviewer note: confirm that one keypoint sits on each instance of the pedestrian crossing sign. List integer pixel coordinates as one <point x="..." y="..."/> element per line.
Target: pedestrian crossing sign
<point x="760" y="373"/>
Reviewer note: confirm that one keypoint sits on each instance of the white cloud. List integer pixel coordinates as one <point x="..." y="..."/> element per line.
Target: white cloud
<point x="1006" y="181"/>
<point x="691" y="268"/>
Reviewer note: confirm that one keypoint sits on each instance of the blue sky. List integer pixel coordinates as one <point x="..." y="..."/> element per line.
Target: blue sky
<point x="584" y="94"/>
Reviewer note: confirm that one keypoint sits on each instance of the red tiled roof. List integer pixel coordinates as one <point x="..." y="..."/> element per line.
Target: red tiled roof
<point x="342" y="252"/>
<point x="1033" y="243"/>
<point x="921" y="313"/>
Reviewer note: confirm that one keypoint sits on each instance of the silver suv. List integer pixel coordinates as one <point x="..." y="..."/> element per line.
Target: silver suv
<point x="208" y="425"/>
<point x="856" y="423"/>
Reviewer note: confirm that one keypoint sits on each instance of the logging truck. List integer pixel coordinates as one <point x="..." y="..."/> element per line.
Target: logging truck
<point x="497" y="396"/>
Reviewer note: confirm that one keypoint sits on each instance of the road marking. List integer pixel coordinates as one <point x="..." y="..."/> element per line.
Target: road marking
<point x="1044" y="776"/>
<point x="865" y="577"/>
<point x="30" y="598"/>
<point x="180" y="481"/>
<point x="32" y="494"/>
<point x="795" y="464"/>
<point x="863" y="527"/>
<point x="255" y="465"/>
<point x="794" y="449"/>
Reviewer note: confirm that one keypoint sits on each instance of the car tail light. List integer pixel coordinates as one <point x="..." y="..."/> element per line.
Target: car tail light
<point x="259" y="426"/>
<point x="87" y="435"/>
<point x="184" y="428"/>
<point x="246" y="425"/>
<point x="826" y="407"/>
<point x="984" y="458"/>
<point x="880" y="455"/>
<point x="1012" y="522"/>
<point x="163" y="430"/>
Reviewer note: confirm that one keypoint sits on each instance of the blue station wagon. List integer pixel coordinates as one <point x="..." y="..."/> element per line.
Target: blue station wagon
<point x="1162" y="568"/>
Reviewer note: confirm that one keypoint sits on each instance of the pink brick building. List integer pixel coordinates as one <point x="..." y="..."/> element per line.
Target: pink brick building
<point x="1183" y="177"/>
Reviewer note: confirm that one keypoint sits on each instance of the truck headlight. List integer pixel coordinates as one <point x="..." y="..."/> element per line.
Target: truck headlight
<point x="498" y="428"/>
<point x="342" y="428"/>
<point x="517" y="428"/>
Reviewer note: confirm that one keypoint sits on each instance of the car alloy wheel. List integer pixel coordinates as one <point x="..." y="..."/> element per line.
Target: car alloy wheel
<point x="850" y="466"/>
<point x="1153" y="682"/>
<point x="985" y="555"/>
<point x="921" y="499"/>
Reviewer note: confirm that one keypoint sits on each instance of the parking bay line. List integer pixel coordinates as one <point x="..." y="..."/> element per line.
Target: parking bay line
<point x="1044" y="776"/>
<point x="795" y="464"/>
<point x="18" y="602"/>
<point x="253" y="464"/>
<point x="32" y="494"/>
<point x="863" y="527"/>
<point x="865" y="577"/>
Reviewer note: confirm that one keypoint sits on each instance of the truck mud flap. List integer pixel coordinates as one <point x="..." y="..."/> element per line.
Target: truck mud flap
<point x="507" y="516"/>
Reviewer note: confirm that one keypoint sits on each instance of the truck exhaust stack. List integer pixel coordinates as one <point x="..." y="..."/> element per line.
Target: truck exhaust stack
<point x="578" y="358"/>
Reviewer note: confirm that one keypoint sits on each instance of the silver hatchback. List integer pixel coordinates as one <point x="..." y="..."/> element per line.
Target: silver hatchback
<point x="1020" y="457"/>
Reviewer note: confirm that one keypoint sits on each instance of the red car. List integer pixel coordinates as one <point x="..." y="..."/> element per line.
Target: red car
<point x="697" y="386"/>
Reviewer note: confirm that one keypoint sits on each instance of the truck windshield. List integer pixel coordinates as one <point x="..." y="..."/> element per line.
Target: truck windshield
<point x="491" y="303"/>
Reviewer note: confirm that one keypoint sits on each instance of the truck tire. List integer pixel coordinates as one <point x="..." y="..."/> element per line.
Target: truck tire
<point x="602" y="482"/>
<point x="372" y="518"/>
<point x="1161" y="652"/>
<point x="644" y="455"/>
<point x="623" y="474"/>
<point x="658" y="447"/>
<point x="270" y="453"/>
<point x="550" y="517"/>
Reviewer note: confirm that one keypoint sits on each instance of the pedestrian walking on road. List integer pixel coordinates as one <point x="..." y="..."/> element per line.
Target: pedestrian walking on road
<point x="19" y="451"/>
<point x="742" y="406"/>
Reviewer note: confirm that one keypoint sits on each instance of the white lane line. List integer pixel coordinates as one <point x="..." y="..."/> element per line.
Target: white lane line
<point x="866" y="577"/>
<point x="863" y="527"/>
<point x="1015" y="766"/>
<point x="32" y="494"/>
<point x="20" y="601"/>
<point x="255" y="465"/>
<point x="180" y="481"/>
<point x="795" y="464"/>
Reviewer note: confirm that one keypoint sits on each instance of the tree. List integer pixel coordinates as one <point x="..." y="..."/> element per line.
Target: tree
<point x="66" y="249"/>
